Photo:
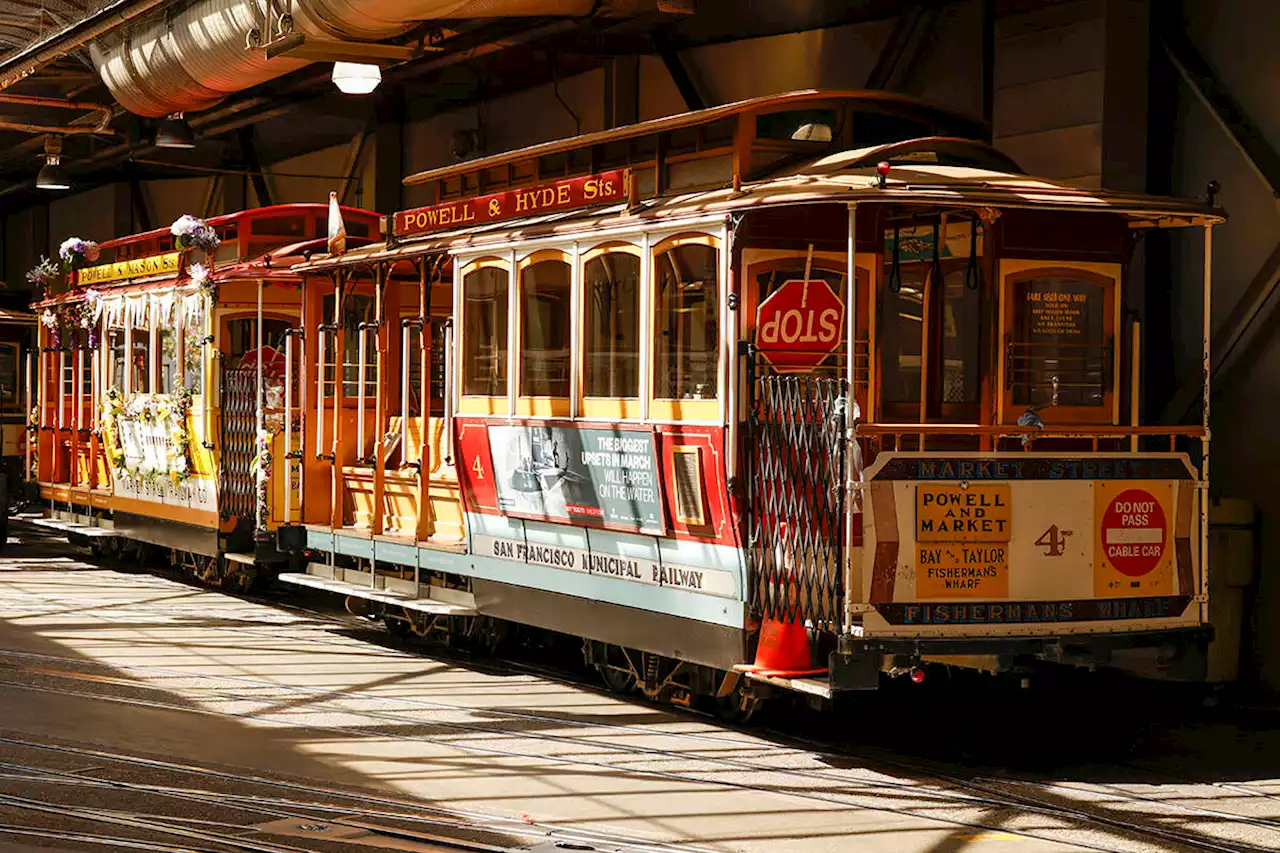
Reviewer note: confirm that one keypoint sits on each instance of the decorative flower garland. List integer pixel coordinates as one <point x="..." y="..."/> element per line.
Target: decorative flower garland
<point x="149" y="409"/>
<point x="261" y="467"/>
<point x="76" y="253"/>
<point x="82" y="314"/>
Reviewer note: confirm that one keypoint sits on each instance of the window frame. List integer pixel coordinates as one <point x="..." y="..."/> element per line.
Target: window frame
<point x="538" y="405"/>
<point x="480" y="404"/>
<point x="708" y="410"/>
<point x="1111" y="277"/>
<point x="611" y="408"/>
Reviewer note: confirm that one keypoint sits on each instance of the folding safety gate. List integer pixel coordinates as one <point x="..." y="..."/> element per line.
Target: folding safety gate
<point x="796" y="476"/>
<point x="236" y="484"/>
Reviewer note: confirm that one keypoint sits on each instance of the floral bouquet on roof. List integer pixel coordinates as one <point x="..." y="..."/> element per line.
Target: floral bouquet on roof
<point x="77" y="253"/>
<point x="42" y="275"/>
<point x="191" y="232"/>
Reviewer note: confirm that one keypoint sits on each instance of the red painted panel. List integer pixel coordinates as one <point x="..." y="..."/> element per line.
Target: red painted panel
<point x="475" y="467"/>
<point x="722" y="521"/>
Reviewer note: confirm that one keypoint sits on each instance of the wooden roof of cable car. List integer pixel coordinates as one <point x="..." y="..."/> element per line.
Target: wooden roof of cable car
<point x="957" y="122"/>
<point x="846" y="176"/>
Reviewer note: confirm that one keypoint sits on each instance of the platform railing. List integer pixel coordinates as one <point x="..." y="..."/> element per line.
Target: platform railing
<point x="896" y="432"/>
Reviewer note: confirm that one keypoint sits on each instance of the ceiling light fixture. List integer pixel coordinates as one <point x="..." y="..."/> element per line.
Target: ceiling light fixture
<point x="52" y="176"/>
<point x="174" y="132"/>
<point x="356" y="78"/>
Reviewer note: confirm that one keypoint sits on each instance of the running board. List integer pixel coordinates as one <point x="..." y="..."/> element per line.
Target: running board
<point x="72" y="528"/>
<point x="812" y="686"/>
<point x="383" y="596"/>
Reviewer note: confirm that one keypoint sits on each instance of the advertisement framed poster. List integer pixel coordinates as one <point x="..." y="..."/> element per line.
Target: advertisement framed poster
<point x="594" y="476"/>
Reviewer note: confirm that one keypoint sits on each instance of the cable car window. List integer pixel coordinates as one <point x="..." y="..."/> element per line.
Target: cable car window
<point x="611" y="288"/>
<point x="871" y="128"/>
<point x="953" y="316"/>
<point x="168" y="341"/>
<point x="961" y="342"/>
<point x="544" y="329"/>
<point x="9" y="372"/>
<point x="193" y="333"/>
<point x="902" y="331"/>
<point x="115" y="358"/>
<point x="1059" y="331"/>
<point x="140" y="361"/>
<point x="687" y="327"/>
<point x="798" y="125"/>
<point x="484" y="332"/>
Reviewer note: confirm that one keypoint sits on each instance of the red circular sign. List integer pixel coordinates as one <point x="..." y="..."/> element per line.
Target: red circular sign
<point x="799" y="325"/>
<point x="1134" y="532"/>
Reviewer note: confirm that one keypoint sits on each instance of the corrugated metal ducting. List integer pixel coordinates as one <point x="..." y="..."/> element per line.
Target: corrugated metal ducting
<point x="195" y="58"/>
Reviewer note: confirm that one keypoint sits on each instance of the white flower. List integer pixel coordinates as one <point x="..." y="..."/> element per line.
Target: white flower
<point x="48" y="319"/>
<point x="199" y="273"/>
<point x="183" y="225"/>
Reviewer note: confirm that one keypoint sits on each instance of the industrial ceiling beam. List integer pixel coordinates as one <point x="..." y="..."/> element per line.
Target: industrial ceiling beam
<point x="679" y="72"/>
<point x="901" y="50"/>
<point x="57" y="45"/>
<point x="1252" y="322"/>
<point x="1225" y="109"/>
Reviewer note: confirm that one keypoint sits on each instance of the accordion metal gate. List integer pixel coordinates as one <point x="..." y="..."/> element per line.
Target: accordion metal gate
<point x="796" y="474"/>
<point x="236" y="485"/>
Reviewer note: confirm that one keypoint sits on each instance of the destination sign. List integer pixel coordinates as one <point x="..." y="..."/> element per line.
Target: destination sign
<point x="603" y="188"/>
<point x="1012" y="612"/>
<point x="956" y="514"/>
<point x="135" y="268"/>
<point x="1003" y="468"/>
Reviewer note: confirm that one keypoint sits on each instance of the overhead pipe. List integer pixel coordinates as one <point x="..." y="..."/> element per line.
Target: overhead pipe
<point x="26" y="62"/>
<point x="192" y="60"/>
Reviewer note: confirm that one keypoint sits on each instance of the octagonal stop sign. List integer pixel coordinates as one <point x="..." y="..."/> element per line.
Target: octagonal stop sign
<point x="799" y="325"/>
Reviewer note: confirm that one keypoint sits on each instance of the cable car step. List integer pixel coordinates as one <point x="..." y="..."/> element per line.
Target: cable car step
<point x="237" y="557"/>
<point x="813" y="686"/>
<point x="385" y="596"/>
<point x="73" y="527"/>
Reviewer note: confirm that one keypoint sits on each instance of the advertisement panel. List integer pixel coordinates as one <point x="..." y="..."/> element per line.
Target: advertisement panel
<point x="579" y="475"/>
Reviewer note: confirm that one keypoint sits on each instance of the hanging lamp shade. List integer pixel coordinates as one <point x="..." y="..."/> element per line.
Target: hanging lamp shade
<point x="356" y="78"/>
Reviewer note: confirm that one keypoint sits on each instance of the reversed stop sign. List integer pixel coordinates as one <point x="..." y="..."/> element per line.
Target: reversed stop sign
<point x="1134" y="532"/>
<point x="799" y="325"/>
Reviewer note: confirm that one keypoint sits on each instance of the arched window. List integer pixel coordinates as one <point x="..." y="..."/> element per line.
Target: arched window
<point x="545" y="322"/>
<point x="686" y="322"/>
<point x="611" y="323"/>
<point x="484" y="330"/>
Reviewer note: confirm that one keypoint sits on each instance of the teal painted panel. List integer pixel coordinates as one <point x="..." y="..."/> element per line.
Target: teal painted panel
<point x="321" y="540"/>
<point x="353" y="546"/>
<point x="395" y="552"/>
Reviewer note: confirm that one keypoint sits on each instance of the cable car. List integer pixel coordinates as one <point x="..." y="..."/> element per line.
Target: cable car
<point x="159" y="380"/>
<point x="792" y="394"/>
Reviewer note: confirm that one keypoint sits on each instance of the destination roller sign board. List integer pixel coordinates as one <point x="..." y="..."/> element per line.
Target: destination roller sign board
<point x="604" y="188"/>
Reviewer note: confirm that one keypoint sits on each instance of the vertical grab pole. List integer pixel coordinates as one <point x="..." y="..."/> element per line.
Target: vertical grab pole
<point x="404" y="392"/>
<point x="32" y="434"/>
<point x="258" y="418"/>
<point x="288" y="426"/>
<point x="362" y="335"/>
<point x="1204" y="422"/>
<point x="1135" y="373"/>
<point x="853" y="575"/>
<point x="320" y="338"/>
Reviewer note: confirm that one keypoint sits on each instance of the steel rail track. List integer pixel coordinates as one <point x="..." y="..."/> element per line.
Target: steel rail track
<point x="999" y="800"/>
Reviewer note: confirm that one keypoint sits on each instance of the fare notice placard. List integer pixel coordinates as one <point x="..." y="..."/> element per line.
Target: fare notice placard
<point x="591" y="476"/>
<point x="962" y="541"/>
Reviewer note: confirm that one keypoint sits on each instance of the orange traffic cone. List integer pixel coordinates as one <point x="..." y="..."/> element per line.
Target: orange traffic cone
<point x="783" y="649"/>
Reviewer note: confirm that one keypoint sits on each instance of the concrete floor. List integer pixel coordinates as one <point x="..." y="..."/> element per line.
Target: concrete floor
<point x="134" y="665"/>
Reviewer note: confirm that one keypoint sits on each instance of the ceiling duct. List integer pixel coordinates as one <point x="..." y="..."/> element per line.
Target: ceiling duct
<point x="188" y="61"/>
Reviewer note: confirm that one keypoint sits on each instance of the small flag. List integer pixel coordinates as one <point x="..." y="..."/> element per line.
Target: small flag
<point x="337" y="228"/>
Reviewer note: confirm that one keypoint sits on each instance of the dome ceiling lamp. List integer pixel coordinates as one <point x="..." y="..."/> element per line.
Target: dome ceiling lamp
<point x="52" y="175"/>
